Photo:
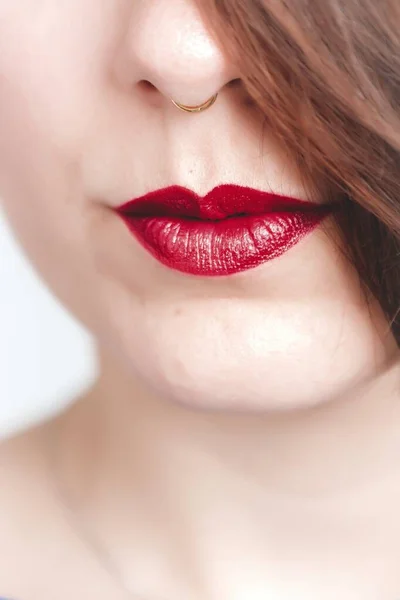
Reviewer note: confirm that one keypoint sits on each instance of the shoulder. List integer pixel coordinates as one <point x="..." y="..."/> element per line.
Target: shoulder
<point x="25" y="508"/>
<point x="22" y="474"/>
<point x="41" y="556"/>
<point x="21" y="461"/>
<point x="21" y="464"/>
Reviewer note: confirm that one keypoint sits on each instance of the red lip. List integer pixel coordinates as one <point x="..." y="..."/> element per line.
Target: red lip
<point x="231" y="229"/>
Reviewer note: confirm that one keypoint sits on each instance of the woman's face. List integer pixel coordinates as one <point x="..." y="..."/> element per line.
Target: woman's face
<point x="81" y="134"/>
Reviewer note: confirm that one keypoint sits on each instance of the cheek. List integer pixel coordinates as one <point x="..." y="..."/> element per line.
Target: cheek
<point x="53" y="61"/>
<point x="39" y="124"/>
<point x="48" y="68"/>
<point x="42" y="194"/>
<point x="32" y="164"/>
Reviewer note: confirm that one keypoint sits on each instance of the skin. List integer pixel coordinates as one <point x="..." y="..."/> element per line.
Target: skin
<point x="242" y="438"/>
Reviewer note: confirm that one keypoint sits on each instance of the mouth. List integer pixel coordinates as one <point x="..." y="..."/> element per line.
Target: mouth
<point x="231" y="229"/>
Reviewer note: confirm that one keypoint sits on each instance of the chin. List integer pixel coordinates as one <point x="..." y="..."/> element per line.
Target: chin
<point x="242" y="356"/>
<point x="240" y="381"/>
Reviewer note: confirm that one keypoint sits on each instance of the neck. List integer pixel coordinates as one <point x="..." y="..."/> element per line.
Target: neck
<point x="329" y="444"/>
<point x="139" y="448"/>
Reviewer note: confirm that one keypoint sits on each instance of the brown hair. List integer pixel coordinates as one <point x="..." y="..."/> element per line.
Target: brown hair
<point x="326" y="75"/>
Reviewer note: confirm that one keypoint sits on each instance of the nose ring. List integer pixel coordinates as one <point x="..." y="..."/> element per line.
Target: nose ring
<point x="196" y="109"/>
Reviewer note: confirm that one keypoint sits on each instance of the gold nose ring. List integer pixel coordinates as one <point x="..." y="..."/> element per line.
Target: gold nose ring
<point x="196" y="109"/>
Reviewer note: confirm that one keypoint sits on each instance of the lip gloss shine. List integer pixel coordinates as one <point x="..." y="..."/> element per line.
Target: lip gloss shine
<point x="231" y="229"/>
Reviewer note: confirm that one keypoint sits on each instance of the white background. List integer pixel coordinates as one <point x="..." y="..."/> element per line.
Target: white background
<point x="46" y="357"/>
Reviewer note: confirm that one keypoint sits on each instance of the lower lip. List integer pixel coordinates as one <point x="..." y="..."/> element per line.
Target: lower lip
<point x="225" y="247"/>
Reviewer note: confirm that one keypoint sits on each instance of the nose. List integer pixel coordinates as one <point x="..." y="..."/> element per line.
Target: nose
<point x="170" y="47"/>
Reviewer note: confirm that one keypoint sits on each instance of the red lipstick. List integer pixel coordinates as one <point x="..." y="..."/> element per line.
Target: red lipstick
<point x="231" y="229"/>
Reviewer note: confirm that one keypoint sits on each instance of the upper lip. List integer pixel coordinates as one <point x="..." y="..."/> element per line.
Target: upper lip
<point x="222" y="202"/>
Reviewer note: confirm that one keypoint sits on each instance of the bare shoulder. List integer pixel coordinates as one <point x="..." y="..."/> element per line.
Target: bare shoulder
<point x="28" y="515"/>
<point x="22" y="489"/>
<point x="21" y="470"/>
<point x="41" y="556"/>
<point x="14" y="447"/>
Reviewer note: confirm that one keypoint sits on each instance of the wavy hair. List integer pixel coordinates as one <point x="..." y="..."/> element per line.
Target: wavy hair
<point x="326" y="76"/>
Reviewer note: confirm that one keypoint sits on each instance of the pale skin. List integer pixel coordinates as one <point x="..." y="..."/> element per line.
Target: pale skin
<point x="243" y="439"/>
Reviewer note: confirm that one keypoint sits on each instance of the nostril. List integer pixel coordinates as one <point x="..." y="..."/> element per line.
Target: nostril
<point x="149" y="93"/>
<point x="147" y="85"/>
